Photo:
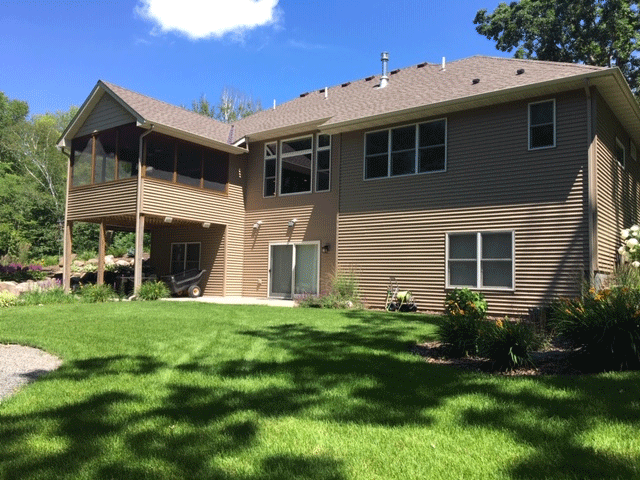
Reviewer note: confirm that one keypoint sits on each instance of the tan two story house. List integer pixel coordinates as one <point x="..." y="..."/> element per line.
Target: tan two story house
<point x="511" y="177"/>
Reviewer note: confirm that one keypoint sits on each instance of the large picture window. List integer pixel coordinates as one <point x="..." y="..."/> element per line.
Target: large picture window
<point x="297" y="165"/>
<point x="542" y="124"/>
<point x="483" y="260"/>
<point x="407" y="150"/>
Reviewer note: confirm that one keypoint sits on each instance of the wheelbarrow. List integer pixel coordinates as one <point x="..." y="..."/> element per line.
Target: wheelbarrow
<point x="186" y="281"/>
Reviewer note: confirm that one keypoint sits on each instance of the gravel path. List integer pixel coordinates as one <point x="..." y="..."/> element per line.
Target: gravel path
<point x="20" y="365"/>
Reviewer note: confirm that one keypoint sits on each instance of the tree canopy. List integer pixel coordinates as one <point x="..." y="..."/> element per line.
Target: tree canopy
<point x="593" y="32"/>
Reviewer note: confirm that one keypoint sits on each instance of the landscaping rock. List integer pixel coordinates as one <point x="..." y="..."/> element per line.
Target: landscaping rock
<point x="11" y="287"/>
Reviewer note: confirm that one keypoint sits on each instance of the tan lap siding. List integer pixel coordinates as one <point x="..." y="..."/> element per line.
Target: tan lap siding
<point x="200" y="205"/>
<point x="102" y="200"/>
<point x="106" y="114"/>
<point x="398" y="226"/>
<point x="618" y="188"/>
<point x="211" y="252"/>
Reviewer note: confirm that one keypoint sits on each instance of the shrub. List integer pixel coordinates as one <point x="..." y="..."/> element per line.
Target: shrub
<point x="344" y="293"/>
<point x="153" y="290"/>
<point x="8" y="299"/>
<point x="40" y="296"/>
<point x="507" y="344"/>
<point x="97" y="293"/>
<point x="459" y="328"/>
<point x="16" y="272"/>
<point x="604" y="325"/>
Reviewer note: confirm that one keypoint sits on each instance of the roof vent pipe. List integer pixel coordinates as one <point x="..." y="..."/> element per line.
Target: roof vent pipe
<point x="385" y="67"/>
<point x="444" y="64"/>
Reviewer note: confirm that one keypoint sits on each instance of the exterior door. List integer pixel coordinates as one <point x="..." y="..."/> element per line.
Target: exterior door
<point x="294" y="270"/>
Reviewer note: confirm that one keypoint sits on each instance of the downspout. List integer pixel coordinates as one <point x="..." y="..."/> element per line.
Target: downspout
<point x="137" y="265"/>
<point x="592" y="204"/>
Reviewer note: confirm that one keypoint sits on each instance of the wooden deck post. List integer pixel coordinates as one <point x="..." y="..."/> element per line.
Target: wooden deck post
<point x="101" y="251"/>
<point x="137" y="265"/>
<point x="66" y="256"/>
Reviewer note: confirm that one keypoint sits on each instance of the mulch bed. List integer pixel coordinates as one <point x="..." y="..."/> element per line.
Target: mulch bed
<point x="554" y="359"/>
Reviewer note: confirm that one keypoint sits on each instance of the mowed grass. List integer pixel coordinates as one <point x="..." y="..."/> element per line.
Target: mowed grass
<point x="163" y="390"/>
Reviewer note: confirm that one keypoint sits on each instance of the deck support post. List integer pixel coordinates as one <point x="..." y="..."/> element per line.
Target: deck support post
<point x="101" y="252"/>
<point x="137" y="265"/>
<point x="66" y="256"/>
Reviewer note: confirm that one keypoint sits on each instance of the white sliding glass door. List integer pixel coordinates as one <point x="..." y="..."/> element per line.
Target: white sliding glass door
<point x="293" y="269"/>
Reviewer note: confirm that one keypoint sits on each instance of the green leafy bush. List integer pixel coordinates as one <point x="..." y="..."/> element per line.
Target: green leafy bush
<point x="153" y="290"/>
<point x="8" y="299"/>
<point x="40" y="296"/>
<point x="344" y="293"/>
<point x="97" y="293"/>
<point x="507" y="344"/>
<point x="603" y="325"/>
<point x="459" y="328"/>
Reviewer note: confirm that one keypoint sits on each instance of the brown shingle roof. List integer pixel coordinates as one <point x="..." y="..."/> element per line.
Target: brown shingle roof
<point x="158" y="112"/>
<point x="416" y="86"/>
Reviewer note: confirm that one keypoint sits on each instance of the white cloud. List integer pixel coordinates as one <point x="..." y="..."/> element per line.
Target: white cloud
<point x="198" y="19"/>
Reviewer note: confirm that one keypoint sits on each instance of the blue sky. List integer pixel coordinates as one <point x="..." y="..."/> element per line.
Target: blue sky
<point x="53" y="52"/>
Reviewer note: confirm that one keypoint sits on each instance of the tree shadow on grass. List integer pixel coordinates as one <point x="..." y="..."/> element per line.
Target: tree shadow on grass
<point x="361" y="373"/>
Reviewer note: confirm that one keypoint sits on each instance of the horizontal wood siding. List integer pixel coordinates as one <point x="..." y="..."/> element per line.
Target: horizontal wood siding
<point x="618" y="189"/>
<point x="106" y="114"/>
<point x="102" y="200"/>
<point x="398" y="226"/>
<point x="211" y="252"/>
<point x="165" y="199"/>
<point x="316" y="216"/>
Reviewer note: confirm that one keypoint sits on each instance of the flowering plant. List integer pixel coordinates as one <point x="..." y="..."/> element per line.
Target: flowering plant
<point x="630" y="249"/>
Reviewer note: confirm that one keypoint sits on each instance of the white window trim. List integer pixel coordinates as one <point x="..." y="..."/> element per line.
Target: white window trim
<point x="264" y="170"/>
<point x="281" y="156"/>
<point x="293" y="266"/>
<point x="479" y="259"/>
<point x="555" y="126"/>
<point x="417" y="150"/>
<point x="185" y="253"/>
<point x="624" y="153"/>
<point x="315" y="161"/>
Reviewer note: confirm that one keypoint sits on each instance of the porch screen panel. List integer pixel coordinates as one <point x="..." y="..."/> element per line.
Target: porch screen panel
<point x="82" y="158"/>
<point x="128" y="146"/>
<point x="306" y="271"/>
<point x="189" y="164"/>
<point x="105" y="170"/>
<point x="160" y="157"/>
<point x="215" y="170"/>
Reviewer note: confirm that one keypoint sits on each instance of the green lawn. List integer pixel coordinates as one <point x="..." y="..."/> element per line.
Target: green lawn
<point x="167" y="390"/>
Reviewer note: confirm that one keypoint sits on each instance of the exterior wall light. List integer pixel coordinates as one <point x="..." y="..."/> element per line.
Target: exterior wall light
<point x="326" y="247"/>
<point x="292" y="222"/>
<point x="168" y="219"/>
<point x="206" y="225"/>
<point x="256" y="225"/>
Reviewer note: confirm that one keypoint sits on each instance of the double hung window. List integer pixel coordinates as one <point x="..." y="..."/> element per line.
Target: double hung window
<point x="480" y="260"/>
<point x="406" y="150"/>
<point x="542" y="124"/>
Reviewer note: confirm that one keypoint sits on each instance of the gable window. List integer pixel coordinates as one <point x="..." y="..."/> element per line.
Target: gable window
<point x="185" y="256"/>
<point x="480" y="260"/>
<point x="297" y="165"/>
<point x="620" y="152"/>
<point x="542" y="124"/>
<point x="407" y="150"/>
<point x="270" y="159"/>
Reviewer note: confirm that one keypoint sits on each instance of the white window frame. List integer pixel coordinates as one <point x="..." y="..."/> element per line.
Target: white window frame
<point x="479" y="260"/>
<point x="416" y="149"/>
<point x="282" y="156"/>
<point x="266" y="157"/>
<point x="293" y="266"/>
<point x="529" y="126"/>
<point x="315" y="162"/>
<point x="185" y="253"/>
<point x="624" y="153"/>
